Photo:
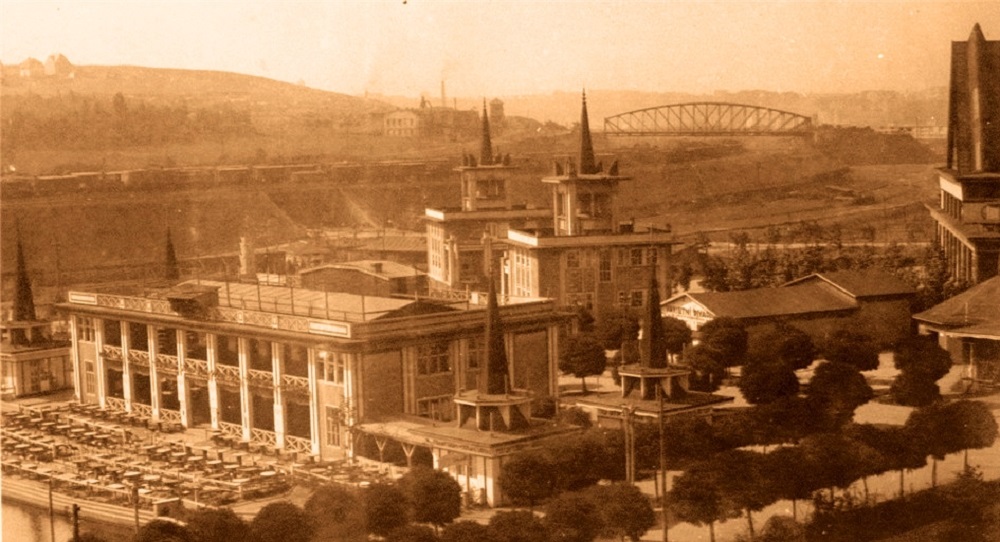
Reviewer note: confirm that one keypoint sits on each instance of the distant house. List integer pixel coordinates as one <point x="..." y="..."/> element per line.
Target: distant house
<point x="31" y="67"/>
<point x="402" y="123"/>
<point x="968" y="326"/>
<point x="874" y="302"/>
<point x="58" y="64"/>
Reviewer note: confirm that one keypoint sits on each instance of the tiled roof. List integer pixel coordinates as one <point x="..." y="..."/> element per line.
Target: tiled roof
<point x="763" y="302"/>
<point x="864" y="283"/>
<point x="978" y="306"/>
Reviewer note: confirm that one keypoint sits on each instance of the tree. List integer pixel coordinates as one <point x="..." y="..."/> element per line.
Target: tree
<point x="975" y="424"/>
<point x="616" y="327"/>
<point x="217" y="525"/>
<point x="697" y="498"/>
<point x="708" y="369"/>
<point x="172" y="269"/>
<point x="792" y="474"/>
<point x="159" y="530"/>
<point x="782" y="529"/>
<point x="518" y="526"/>
<point x="467" y="531"/>
<point x="853" y="348"/>
<point x="921" y="363"/>
<point x="728" y="338"/>
<point x="676" y="335"/>
<point x="336" y="513"/>
<point x="527" y="479"/>
<point x="571" y="517"/>
<point x="386" y="509"/>
<point x="88" y="537"/>
<point x="836" y="390"/>
<point x="412" y="533"/>
<point x="625" y="511"/>
<point x="281" y="521"/>
<point x="764" y="382"/>
<point x="584" y="356"/>
<point x="435" y="497"/>
<point x="789" y="345"/>
<point x="741" y="477"/>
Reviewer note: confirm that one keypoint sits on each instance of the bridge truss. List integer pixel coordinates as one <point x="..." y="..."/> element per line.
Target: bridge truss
<point x="707" y="119"/>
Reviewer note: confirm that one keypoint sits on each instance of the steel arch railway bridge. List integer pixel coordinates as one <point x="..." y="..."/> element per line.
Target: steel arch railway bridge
<point x="707" y="119"/>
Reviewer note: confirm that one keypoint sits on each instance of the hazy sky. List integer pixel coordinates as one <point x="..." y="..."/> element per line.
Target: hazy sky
<point x="504" y="48"/>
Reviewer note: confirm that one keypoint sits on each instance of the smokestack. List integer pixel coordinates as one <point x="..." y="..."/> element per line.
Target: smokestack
<point x="444" y="99"/>
<point x="248" y="264"/>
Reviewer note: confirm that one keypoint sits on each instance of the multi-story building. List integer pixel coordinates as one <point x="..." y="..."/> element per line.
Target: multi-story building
<point x="317" y="373"/>
<point x="968" y="217"/>
<point x="588" y="256"/>
<point x="465" y="244"/>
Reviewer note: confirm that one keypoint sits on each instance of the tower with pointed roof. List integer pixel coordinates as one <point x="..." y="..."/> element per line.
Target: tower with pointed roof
<point x="589" y="256"/>
<point x="968" y="216"/>
<point x="464" y="244"/>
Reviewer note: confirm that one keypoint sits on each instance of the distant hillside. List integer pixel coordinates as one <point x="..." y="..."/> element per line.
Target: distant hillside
<point x="196" y="88"/>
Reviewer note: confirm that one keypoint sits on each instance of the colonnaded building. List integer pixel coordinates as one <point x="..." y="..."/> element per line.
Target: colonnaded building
<point x="296" y="370"/>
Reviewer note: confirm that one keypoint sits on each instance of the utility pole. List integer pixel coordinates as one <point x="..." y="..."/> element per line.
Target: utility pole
<point x="76" y="522"/>
<point x="52" y="512"/>
<point x="663" y="461"/>
<point x="135" y="505"/>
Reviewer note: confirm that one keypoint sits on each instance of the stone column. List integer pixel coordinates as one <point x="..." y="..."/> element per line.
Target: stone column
<point x="75" y="359"/>
<point x="183" y="394"/>
<point x="246" y="398"/>
<point x="212" y="349"/>
<point x="126" y="366"/>
<point x="277" y="370"/>
<point x="99" y="366"/>
<point x="154" y="378"/>
<point x="313" y="404"/>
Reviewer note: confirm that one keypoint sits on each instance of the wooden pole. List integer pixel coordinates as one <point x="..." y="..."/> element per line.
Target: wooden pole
<point x="52" y="512"/>
<point x="663" y="460"/>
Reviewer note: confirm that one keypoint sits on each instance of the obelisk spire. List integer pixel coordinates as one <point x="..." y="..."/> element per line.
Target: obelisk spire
<point x="587" y="161"/>
<point x="485" y="145"/>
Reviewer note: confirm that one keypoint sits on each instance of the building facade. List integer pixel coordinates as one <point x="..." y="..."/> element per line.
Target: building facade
<point x="873" y="302"/>
<point x="465" y="244"/>
<point x="968" y="216"/>
<point x="304" y="371"/>
<point x="587" y="256"/>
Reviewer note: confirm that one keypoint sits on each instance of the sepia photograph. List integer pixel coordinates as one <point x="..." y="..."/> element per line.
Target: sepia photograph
<point x="500" y="271"/>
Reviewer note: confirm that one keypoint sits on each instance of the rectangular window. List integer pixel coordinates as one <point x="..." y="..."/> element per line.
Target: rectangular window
<point x="84" y="329"/>
<point x="605" y="263"/>
<point x="477" y="349"/>
<point x="638" y="298"/>
<point x="433" y="358"/>
<point x="653" y="256"/>
<point x="90" y="378"/>
<point x="572" y="259"/>
<point x="622" y="299"/>
<point x="436" y="408"/>
<point x="332" y="426"/>
<point x="636" y="256"/>
<point x="333" y="367"/>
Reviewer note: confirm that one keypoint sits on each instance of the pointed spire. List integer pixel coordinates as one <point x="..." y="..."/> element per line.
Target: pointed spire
<point x="587" y="164"/>
<point x="493" y="379"/>
<point x="654" y="349"/>
<point x="24" y="300"/>
<point x="485" y="146"/>
<point x="172" y="271"/>
<point x="977" y="34"/>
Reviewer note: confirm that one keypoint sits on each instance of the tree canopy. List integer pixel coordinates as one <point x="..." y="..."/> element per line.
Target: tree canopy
<point x="836" y="390"/>
<point x="853" y="348"/>
<point x="625" y="511"/>
<point x="434" y="496"/>
<point x="572" y="517"/>
<point x="217" y="525"/>
<point x="583" y="356"/>
<point x="386" y="509"/>
<point x="528" y="478"/>
<point x="281" y="521"/>
<point x="728" y="338"/>
<point x="921" y="363"/>
<point x="336" y="512"/>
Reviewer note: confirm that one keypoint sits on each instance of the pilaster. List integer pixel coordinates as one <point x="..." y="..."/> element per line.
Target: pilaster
<point x="277" y="370"/>
<point x="212" y="349"/>
<point x="183" y="393"/>
<point x="153" y="340"/>
<point x="246" y="399"/>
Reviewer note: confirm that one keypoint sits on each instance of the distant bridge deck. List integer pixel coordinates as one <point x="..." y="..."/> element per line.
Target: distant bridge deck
<point x="708" y="119"/>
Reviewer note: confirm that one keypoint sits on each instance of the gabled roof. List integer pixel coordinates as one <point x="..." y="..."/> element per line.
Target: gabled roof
<point x="859" y="284"/>
<point x="769" y="302"/>
<point x="978" y="307"/>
